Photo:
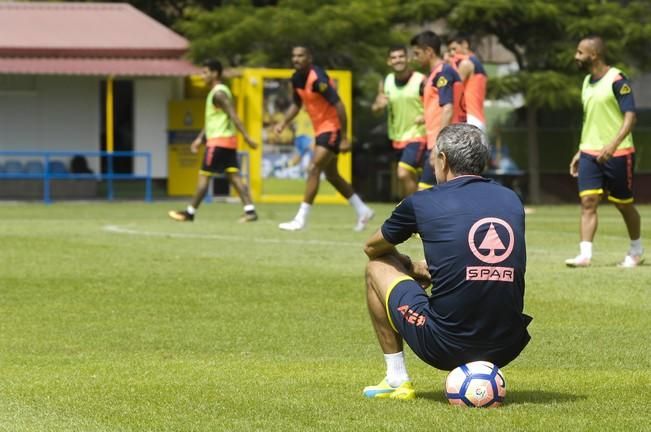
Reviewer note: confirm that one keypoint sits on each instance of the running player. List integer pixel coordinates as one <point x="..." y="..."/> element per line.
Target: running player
<point x="314" y="90"/>
<point x="474" y="78"/>
<point x="473" y="237"/>
<point x="219" y="135"/>
<point x="399" y="93"/>
<point x="442" y="95"/>
<point x="606" y="156"/>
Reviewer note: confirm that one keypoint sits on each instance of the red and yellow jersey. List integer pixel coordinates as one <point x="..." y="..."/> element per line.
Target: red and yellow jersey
<point x="474" y="87"/>
<point x="442" y="87"/>
<point x="315" y="91"/>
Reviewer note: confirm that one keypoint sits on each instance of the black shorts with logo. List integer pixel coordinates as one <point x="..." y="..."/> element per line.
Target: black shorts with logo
<point x="219" y="160"/>
<point x="329" y="140"/>
<point x="410" y="315"/>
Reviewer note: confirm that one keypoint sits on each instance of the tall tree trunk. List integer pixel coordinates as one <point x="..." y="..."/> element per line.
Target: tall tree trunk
<point x="533" y="157"/>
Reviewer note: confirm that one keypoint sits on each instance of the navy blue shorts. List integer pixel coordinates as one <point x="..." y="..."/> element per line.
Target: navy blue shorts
<point x="329" y="140"/>
<point x="427" y="178"/>
<point x="411" y="156"/>
<point x="219" y="160"/>
<point x="408" y="306"/>
<point x="614" y="176"/>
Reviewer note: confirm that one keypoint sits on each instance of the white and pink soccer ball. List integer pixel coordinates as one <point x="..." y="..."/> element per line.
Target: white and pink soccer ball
<point x="476" y="384"/>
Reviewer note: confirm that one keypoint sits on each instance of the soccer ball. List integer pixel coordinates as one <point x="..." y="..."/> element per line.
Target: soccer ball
<point x="476" y="384"/>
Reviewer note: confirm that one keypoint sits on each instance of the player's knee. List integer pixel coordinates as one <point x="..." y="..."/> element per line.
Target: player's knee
<point x="374" y="267"/>
<point x="404" y="175"/>
<point x="589" y="203"/>
<point x="203" y="181"/>
<point x="313" y="169"/>
<point x="624" y="207"/>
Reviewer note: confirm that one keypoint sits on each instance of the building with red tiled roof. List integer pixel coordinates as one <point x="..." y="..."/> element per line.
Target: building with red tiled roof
<point x="59" y="60"/>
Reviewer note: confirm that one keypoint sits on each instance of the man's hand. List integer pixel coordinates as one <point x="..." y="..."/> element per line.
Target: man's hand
<point x="194" y="147"/>
<point x="421" y="274"/>
<point x="279" y="128"/>
<point x="574" y="165"/>
<point x="381" y="101"/>
<point x="250" y="142"/>
<point x="606" y="153"/>
<point x="344" y="146"/>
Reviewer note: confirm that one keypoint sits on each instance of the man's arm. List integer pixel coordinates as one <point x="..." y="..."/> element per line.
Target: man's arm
<point x="222" y="101"/>
<point x="627" y="126"/>
<point x="381" y="100"/>
<point x="444" y="82"/>
<point x="377" y="246"/>
<point x="574" y="164"/>
<point x="291" y="113"/>
<point x="194" y="147"/>
<point x="465" y="69"/>
<point x="446" y="115"/>
<point x="343" y="121"/>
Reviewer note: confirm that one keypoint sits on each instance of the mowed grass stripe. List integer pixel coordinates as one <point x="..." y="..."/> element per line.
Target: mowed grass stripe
<point x="111" y="332"/>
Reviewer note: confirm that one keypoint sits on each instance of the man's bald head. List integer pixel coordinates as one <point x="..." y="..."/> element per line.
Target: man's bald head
<point x="597" y="45"/>
<point x="591" y="51"/>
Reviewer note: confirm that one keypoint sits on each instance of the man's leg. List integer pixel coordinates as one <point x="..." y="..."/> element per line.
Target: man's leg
<point x="632" y="220"/>
<point x="243" y="192"/>
<point x="408" y="179"/>
<point x="381" y="273"/>
<point x="589" y="219"/>
<point x="364" y="212"/>
<point x="587" y="229"/>
<point x="336" y="180"/>
<point x="187" y="215"/>
<point x="320" y="160"/>
<point x="411" y="159"/>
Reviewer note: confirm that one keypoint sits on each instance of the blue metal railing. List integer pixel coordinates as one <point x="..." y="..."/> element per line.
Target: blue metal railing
<point x="109" y="176"/>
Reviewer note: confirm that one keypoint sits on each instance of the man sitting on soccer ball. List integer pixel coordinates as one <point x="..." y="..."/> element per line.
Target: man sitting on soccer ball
<point x="472" y="231"/>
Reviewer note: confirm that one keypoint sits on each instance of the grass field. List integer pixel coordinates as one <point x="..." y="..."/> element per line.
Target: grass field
<point x="276" y="186"/>
<point x="113" y="318"/>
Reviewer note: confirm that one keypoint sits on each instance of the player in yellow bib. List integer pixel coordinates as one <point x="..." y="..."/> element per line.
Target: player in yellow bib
<point x="606" y="156"/>
<point x="219" y="135"/>
<point x="400" y="94"/>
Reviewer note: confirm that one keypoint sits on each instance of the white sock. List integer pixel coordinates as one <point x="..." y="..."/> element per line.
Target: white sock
<point x="303" y="212"/>
<point x="636" y="247"/>
<point x="396" y="369"/>
<point x="191" y="210"/>
<point x="249" y="208"/>
<point x="357" y="204"/>
<point x="586" y="249"/>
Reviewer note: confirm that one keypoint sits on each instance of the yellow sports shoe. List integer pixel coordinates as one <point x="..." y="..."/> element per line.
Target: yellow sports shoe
<point x="404" y="391"/>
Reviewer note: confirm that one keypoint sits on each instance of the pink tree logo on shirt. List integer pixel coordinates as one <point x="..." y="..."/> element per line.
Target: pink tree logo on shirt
<point x="492" y="249"/>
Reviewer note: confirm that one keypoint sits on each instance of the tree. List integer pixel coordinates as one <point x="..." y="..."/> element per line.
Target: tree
<point x="168" y="12"/>
<point x="343" y="34"/>
<point x="542" y="35"/>
<point x="354" y="34"/>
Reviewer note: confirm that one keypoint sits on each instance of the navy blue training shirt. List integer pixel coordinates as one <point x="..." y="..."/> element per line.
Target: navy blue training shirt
<point x="322" y="84"/>
<point x="472" y="231"/>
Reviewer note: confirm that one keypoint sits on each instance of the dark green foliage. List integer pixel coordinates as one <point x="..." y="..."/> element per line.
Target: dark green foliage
<point x="543" y="34"/>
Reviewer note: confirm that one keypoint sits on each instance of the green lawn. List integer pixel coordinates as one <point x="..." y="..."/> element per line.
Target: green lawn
<point x="276" y="186"/>
<point x="113" y="318"/>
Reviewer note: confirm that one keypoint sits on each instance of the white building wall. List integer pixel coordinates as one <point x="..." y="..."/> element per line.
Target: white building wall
<point x="151" y="97"/>
<point x="50" y="113"/>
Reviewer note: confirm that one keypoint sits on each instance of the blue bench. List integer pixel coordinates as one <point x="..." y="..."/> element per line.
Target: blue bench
<point x="46" y="167"/>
